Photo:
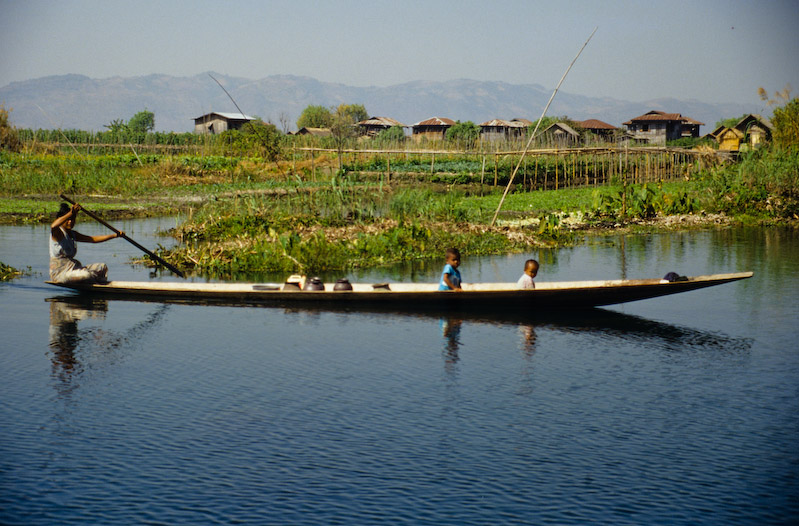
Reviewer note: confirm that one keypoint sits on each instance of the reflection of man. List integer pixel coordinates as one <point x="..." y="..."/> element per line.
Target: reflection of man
<point x="64" y="316"/>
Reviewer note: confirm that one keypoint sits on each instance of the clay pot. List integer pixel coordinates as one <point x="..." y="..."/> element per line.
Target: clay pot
<point x="314" y="284"/>
<point x="342" y="284"/>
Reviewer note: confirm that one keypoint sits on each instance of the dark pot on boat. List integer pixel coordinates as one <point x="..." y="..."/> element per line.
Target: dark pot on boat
<point x="314" y="284"/>
<point x="342" y="284"/>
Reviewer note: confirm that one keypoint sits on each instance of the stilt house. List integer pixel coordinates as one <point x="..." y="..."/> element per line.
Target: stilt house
<point x="657" y="127"/>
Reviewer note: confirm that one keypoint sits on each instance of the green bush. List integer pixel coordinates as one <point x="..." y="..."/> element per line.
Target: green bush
<point x="9" y="136"/>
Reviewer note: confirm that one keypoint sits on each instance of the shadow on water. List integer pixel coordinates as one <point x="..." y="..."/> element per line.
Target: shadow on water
<point x="70" y="345"/>
<point x="598" y="322"/>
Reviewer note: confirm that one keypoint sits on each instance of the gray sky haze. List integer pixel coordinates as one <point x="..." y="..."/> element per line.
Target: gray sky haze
<point x="713" y="51"/>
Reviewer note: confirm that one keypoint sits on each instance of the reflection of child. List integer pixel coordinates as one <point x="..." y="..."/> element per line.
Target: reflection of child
<point x="530" y="271"/>
<point x="450" y="277"/>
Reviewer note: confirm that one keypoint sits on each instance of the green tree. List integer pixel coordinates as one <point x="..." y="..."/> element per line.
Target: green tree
<point x="465" y="133"/>
<point x="786" y="125"/>
<point x="315" y="117"/>
<point x="116" y="126"/>
<point x="142" y="122"/>
<point x="352" y="112"/>
<point x="255" y="138"/>
<point x="785" y="118"/>
<point x="343" y="126"/>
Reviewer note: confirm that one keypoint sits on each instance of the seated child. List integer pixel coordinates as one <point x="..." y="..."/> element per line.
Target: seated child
<point x="450" y="277"/>
<point x="530" y="271"/>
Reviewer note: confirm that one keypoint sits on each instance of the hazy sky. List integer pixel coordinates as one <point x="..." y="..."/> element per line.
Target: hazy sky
<point x="714" y="51"/>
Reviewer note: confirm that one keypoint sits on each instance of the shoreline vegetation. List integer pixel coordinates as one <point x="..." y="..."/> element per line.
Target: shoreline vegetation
<point x="252" y="210"/>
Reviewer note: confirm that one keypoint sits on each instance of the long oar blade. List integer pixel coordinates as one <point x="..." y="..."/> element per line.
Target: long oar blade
<point x="125" y="236"/>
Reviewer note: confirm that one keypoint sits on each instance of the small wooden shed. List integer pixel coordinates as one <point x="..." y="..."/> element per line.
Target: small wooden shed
<point x="729" y="139"/>
<point x="372" y="126"/>
<point x="433" y="129"/>
<point x="561" y="134"/>
<point x="216" y="122"/>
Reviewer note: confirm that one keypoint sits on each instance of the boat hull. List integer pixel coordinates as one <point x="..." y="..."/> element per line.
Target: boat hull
<point x="552" y="295"/>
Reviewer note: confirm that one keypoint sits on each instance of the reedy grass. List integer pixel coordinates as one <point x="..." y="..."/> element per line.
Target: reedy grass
<point x="335" y="228"/>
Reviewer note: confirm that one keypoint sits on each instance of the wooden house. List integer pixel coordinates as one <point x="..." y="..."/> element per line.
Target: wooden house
<point x="216" y="122"/>
<point x="756" y="130"/>
<point x="433" y="129"/>
<point x="561" y="135"/>
<point x="372" y="126"/>
<point x="657" y="127"/>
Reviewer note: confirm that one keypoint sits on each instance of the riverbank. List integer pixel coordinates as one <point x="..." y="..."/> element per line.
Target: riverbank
<point x="236" y="217"/>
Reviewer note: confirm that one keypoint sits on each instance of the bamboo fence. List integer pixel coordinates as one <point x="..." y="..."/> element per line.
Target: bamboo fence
<point x="546" y="168"/>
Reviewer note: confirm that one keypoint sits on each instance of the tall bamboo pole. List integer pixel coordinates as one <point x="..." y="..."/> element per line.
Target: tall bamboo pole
<point x="532" y="135"/>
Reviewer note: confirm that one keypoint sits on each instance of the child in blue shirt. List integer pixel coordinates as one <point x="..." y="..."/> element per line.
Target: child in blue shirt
<point x="450" y="277"/>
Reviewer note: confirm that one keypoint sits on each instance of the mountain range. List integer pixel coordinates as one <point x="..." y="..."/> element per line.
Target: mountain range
<point x="79" y="102"/>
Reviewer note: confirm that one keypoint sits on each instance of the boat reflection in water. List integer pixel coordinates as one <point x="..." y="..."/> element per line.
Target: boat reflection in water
<point x="598" y="321"/>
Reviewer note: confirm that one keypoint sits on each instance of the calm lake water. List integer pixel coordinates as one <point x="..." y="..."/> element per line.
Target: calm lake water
<point x="678" y="410"/>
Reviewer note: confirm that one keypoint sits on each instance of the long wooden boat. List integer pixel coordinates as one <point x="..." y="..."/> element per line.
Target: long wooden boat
<point x="549" y="295"/>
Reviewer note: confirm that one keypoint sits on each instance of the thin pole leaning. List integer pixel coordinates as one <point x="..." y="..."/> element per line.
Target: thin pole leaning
<point x="532" y="135"/>
<point x="61" y="132"/>
<point x="237" y="107"/>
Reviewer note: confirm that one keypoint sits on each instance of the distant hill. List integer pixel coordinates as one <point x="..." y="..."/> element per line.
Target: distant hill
<point x="80" y="102"/>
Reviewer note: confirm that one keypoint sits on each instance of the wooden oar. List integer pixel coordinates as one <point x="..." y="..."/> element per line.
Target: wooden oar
<point x="129" y="240"/>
